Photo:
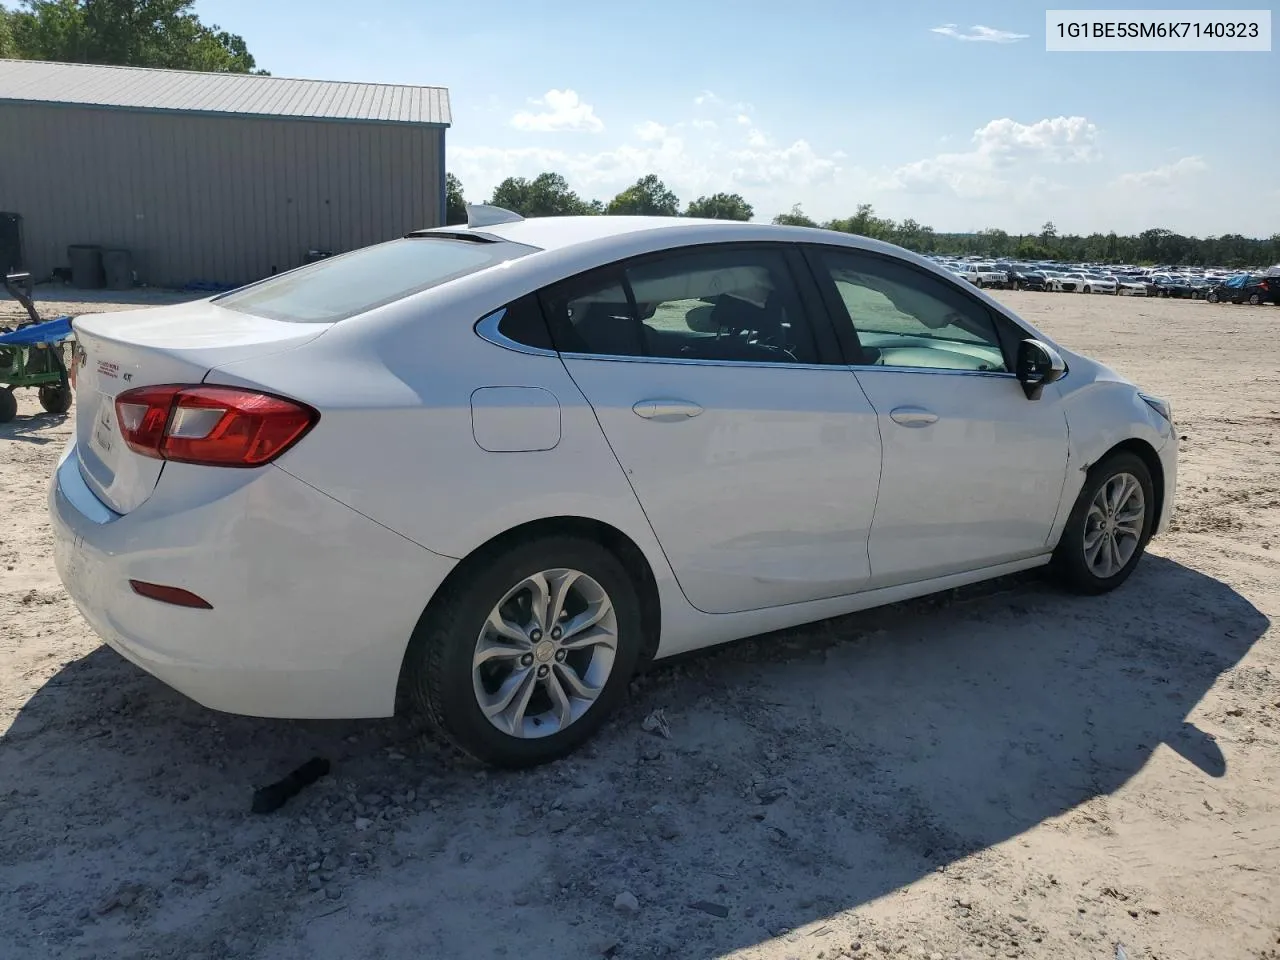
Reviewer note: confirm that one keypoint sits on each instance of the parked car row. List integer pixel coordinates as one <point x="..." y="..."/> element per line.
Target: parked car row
<point x="1216" y="286"/>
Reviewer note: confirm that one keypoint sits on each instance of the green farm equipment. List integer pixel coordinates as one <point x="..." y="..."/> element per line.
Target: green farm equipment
<point x="33" y="354"/>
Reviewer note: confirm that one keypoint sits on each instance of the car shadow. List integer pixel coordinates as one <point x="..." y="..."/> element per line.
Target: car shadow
<point x="808" y="772"/>
<point x="28" y="428"/>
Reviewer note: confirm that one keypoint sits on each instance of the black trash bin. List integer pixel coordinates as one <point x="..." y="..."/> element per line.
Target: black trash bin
<point x="117" y="267"/>
<point x="11" y="243"/>
<point x="86" y="266"/>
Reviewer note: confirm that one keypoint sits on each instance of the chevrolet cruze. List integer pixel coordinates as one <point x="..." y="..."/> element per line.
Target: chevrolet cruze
<point x="497" y="466"/>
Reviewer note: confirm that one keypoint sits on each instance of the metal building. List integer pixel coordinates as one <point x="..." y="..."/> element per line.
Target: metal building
<point x="212" y="177"/>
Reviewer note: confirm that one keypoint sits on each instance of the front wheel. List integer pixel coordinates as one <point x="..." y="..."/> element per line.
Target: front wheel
<point x="1212" y="297"/>
<point x="8" y="405"/>
<point x="523" y="658"/>
<point x="1109" y="526"/>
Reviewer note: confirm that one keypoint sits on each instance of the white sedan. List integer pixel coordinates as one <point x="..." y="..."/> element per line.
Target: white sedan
<point x="502" y="464"/>
<point x="1097" y="283"/>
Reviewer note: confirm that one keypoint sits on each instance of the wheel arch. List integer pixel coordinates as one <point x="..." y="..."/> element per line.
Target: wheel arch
<point x="1150" y="459"/>
<point x="609" y="536"/>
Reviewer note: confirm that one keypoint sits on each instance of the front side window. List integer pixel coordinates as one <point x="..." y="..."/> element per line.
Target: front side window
<point x="905" y="317"/>
<point x="701" y="304"/>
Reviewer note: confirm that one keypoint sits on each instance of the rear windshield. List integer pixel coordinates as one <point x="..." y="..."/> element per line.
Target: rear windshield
<point x="352" y="283"/>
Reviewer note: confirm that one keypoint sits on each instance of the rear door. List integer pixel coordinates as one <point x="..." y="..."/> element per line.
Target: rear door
<point x="751" y="447"/>
<point x="973" y="471"/>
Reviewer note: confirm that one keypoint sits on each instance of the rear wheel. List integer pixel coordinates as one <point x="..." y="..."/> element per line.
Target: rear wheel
<point x="1254" y="300"/>
<point x="1109" y="526"/>
<point x="8" y="405"/>
<point x="523" y="658"/>
<point x="56" y="398"/>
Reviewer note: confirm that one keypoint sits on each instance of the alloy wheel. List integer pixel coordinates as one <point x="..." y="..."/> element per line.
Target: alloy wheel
<point x="1114" y="525"/>
<point x="545" y="653"/>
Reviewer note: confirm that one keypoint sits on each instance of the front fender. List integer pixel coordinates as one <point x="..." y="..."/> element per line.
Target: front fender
<point x="1102" y="414"/>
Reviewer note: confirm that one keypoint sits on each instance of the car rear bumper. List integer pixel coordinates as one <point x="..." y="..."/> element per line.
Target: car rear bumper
<point x="312" y="603"/>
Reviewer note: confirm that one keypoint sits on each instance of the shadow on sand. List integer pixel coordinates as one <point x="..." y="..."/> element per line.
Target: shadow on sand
<point x="809" y="772"/>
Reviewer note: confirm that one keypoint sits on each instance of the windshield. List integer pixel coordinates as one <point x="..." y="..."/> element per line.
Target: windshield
<point x="352" y="283"/>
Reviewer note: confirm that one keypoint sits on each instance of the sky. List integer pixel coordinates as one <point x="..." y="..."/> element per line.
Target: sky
<point x="951" y="114"/>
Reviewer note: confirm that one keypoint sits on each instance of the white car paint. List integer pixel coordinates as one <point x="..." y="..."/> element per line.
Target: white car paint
<point x="795" y="495"/>
<point x="983" y="276"/>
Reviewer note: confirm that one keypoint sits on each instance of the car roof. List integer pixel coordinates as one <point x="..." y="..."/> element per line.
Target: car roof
<point x="557" y="233"/>
<point x="561" y="233"/>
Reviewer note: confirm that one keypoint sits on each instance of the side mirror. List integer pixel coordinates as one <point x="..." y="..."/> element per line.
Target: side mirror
<point x="1038" y="364"/>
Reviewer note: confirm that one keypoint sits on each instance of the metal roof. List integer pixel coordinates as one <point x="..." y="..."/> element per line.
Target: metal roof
<point x="138" y="88"/>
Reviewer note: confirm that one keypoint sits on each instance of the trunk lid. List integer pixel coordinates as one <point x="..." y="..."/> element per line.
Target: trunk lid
<point x="179" y="344"/>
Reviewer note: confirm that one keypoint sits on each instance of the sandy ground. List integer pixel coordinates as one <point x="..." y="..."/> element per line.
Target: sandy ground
<point x="1012" y="772"/>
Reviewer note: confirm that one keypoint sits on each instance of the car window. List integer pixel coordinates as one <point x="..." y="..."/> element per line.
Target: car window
<point x="523" y="323"/>
<point x="339" y="287"/>
<point x="721" y="304"/>
<point x="905" y="317"/>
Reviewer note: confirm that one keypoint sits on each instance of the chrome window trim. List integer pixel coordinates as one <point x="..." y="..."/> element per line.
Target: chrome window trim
<point x="691" y="362"/>
<point x="872" y="368"/>
<point x="487" y="329"/>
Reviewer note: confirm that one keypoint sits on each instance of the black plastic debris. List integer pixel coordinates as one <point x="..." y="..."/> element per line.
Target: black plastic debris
<point x="270" y="798"/>
<point x="706" y="906"/>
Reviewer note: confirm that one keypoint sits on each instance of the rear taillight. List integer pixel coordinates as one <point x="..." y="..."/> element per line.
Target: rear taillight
<point x="213" y="426"/>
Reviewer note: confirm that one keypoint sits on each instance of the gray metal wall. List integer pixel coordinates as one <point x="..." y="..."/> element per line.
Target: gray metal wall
<point x="207" y="197"/>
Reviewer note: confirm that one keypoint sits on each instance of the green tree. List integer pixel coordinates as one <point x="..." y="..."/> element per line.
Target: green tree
<point x="134" y="33"/>
<point x="720" y="206"/>
<point x="455" y="205"/>
<point x="7" y="48"/>
<point x="546" y="195"/>
<point x="647" y="197"/>
<point x="795" y="218"/>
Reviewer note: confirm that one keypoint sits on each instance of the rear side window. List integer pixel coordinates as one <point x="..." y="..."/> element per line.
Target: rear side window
<point x="357" y="282"/>
<point x="522" y="322"/>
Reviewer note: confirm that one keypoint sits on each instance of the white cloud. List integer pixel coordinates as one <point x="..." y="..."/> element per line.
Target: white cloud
<point x="650" y="130"/>
<point x="1005" y="155"/>
<point x="706" y="153"/>
<point x="564" y="111"/>
<point x="1167" y="175"/>
<point x="797" y="165"/>
<point x="979" y="34"/>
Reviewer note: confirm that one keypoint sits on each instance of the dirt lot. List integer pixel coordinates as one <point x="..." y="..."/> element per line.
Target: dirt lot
<point x="1009" y="773"/>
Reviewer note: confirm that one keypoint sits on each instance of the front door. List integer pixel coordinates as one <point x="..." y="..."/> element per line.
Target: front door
<point x="973" y="471"/>
<point x="756" y="462"/>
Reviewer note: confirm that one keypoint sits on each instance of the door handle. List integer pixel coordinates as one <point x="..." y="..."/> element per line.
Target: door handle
<point x="666" y="411"/>
<point x="913" y="416"/>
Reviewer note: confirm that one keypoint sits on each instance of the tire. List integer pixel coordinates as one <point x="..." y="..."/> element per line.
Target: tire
<point x="56" y="398"/>
<point x="440" y="660"/>
<point x="1212" y="297"/>
<point x="1254" y="300"/>
<point x="1070" y="562"/>
<point x="8" y="405"/>
<point x="1088" y="289"/>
